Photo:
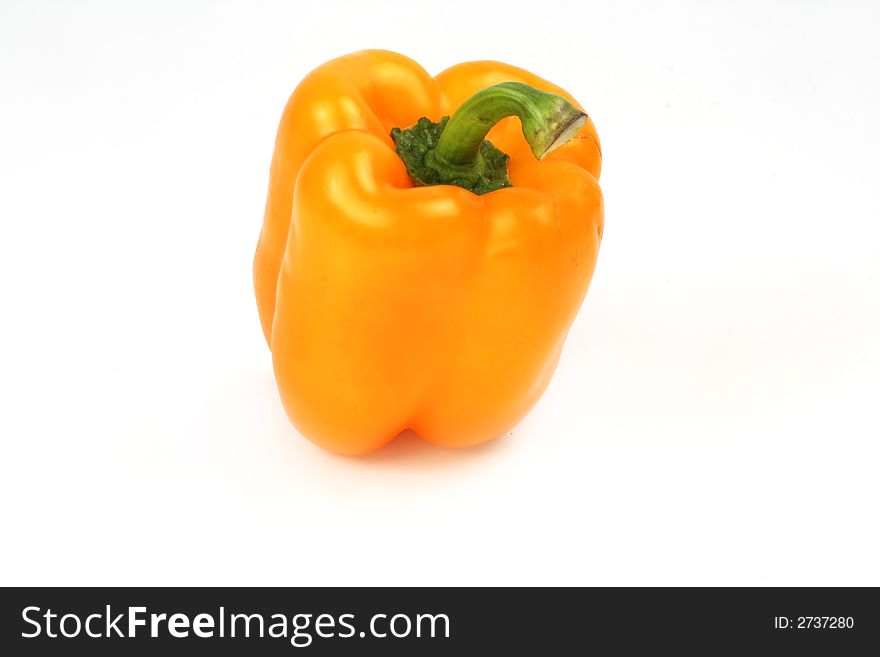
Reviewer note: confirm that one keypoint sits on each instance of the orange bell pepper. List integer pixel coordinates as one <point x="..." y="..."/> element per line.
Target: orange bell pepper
<point x="432" y="294"/>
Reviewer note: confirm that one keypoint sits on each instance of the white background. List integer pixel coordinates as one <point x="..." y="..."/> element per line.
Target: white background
<point x="714" y="419"/>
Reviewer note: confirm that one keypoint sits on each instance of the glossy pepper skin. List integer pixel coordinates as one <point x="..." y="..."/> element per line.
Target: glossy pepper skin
<point x="390" y="307"/>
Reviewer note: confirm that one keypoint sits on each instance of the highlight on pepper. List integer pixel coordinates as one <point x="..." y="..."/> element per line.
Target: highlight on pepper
<point x="426" y="246"/>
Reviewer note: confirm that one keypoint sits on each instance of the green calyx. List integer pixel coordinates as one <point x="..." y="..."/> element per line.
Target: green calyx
<point x="417" y="146"/>
<point x="454" y="151"/>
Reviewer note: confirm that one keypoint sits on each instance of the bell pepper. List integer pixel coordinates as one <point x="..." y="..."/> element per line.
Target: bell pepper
<point x="416" y="271"/>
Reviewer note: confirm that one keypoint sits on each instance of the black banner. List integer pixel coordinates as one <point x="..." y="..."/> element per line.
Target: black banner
<point x="444" y="621"/>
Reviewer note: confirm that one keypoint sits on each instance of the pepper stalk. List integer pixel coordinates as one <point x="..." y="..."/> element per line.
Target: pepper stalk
<point x="454" y="151"/>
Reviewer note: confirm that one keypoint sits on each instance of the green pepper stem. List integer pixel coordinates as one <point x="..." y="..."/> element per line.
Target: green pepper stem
<point x="454" y="151"/>
<point x="548" y="121"/>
